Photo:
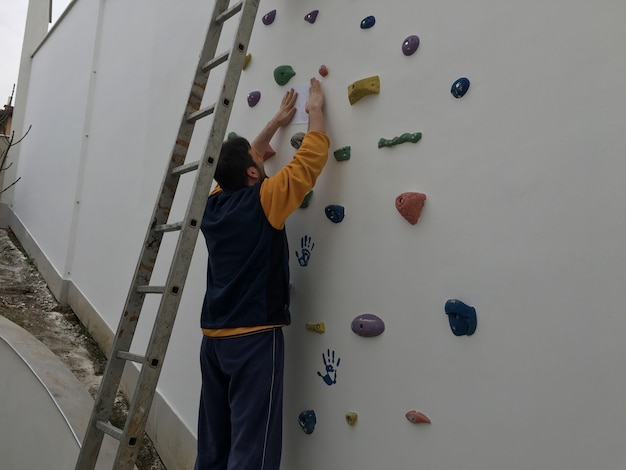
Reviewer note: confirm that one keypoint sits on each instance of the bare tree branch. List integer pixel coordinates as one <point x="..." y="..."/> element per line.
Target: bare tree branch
<point x="5" y="154"/>
<point x="12" y="184"/>
<point x="22" y="138"/>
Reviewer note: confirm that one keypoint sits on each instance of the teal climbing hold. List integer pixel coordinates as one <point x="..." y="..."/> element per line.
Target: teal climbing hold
<point x="342" y="154"/>
<point x="306" y="200"/>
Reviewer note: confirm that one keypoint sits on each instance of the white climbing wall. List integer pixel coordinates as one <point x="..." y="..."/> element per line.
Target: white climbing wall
<point x="524" y="185"/>
<point x="523" y="218"/>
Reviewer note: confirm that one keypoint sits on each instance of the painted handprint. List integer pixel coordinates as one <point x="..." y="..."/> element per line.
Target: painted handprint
<point x="306" y="245"/>
<point x="330" y="366"/>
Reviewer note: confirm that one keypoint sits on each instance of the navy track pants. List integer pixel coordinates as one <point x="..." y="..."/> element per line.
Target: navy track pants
<point x="241" y="403"/>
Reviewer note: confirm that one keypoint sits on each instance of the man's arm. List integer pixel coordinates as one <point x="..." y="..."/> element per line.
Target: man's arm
<point x="283" y="116"/>
<point x="314" y="107"/>
<point x="283" y="193"/>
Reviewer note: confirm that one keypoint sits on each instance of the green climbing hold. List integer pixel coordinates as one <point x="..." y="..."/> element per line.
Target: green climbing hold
<point x="406" y="137"/>
<point x="342" y="154"/>
<point x="306" y="200"/>
<point x="283" y="73"/>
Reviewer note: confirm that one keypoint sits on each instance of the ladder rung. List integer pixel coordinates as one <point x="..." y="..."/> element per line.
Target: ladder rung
<point x="109" y="429"/>
<point x="232" y="11"/>
<point x="168" y="227"/>
<point x="204" y="112"/>
<point x="128" y="356"/>
<point x="214" y="62"/>
<point x="182" y="169"/>
<point x="151" y="289"/>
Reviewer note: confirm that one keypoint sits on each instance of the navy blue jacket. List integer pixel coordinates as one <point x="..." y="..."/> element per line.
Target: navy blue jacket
<point x="251" y="286"/>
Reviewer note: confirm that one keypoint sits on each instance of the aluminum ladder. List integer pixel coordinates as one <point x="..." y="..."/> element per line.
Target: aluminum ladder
<point x="130" y="437"/>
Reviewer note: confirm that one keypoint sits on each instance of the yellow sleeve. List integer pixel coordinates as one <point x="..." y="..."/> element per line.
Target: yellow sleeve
<point x="284" y="192"/>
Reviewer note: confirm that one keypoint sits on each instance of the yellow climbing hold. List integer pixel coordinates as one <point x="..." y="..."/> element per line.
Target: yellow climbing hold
<point x="247" y="60"/>
<point x="351" y="418"/>
<point x="316" y="327"/>
<point x="363" y="87"/>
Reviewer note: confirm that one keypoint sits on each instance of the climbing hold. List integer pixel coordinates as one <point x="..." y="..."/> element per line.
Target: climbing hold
<point x="311" y="17"/>
<point x="410" y="205"/>
<point x="269" y="17"/>
<point x="296" y="139"/>
<point x="342" y="154"/>
<point x="283" y="73"/>
<point x="368" y="325"/>
<point x="316" y="327"/>
<point x="335" y="213"/>
<point x="460" y="87"/>
<point x="351" y="418"/>
<point x="462" y="317"/>
<point x="406" y="137"/>
<point x="231" y="135"/>
<point x="368" y="22"/>
<point x="307" y="420"/>
<point x="323" y="70"/>
<point x="253" y="98"/>
<point x="363" y="87"/>
<point x="417" y="417"/>
<point x="246" y="61"/>
<point x="410" y="45"/>
<point x="306" y="200"/>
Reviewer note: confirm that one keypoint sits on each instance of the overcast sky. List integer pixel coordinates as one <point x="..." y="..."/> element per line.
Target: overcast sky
<point x="12" y="21"/>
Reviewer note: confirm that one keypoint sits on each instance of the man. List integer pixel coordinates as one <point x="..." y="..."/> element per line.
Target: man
<point x="247" y="298"/>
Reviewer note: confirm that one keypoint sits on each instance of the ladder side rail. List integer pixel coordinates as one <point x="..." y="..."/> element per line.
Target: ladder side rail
<point x="111" y="378"/>
<point x="170" y="301"/>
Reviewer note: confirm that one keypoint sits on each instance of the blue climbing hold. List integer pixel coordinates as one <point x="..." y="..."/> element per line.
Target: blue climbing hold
<point x="368" y="22"/>
<point x="462" y="317"/>
<point x="307" y="420"/>
<point x="335" y="213"/>
<point x="460" y="87"/>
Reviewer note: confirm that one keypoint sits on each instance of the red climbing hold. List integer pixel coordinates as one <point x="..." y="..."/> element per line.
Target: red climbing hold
<point x="410" y="205"/>
<point x="417" y="417"/>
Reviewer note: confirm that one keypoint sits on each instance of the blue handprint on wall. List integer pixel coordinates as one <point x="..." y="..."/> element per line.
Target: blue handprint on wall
<point x="306" y="245"/>
<point x="330" y="366"/>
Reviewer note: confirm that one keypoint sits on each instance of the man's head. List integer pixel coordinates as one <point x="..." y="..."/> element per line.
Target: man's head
<point x="239" y="165"/>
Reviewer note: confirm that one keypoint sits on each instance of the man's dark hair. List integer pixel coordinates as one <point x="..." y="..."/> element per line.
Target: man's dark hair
<point x="235" y="159"/>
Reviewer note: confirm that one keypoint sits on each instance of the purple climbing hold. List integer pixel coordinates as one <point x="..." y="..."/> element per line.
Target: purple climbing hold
<point x="368" y="325"/>
<point x="269" y="17"/>
<point x="410" y="45"/>
<point x="368" y="22"/>
<point x="311" y="17"/>
<point x="253" y="98"/>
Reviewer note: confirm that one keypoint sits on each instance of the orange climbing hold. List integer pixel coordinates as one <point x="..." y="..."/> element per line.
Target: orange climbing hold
<point x="410" y="205"/>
